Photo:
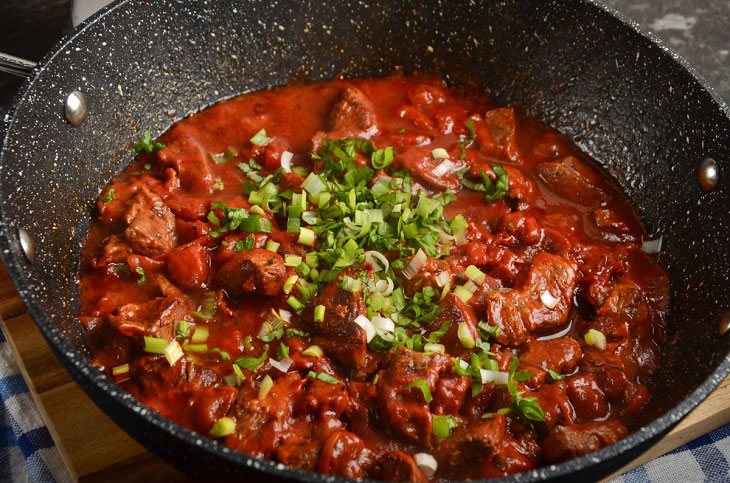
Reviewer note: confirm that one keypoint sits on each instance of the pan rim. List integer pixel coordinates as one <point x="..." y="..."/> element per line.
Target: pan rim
<point x="83" y="371"/>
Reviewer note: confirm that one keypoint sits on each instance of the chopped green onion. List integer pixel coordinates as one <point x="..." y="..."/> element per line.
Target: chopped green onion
<point x="289" y="284"/>
<point x="442" y="426"/>
<point x="313" y="184"/>
<point x="440" y="153"/>
<point x="465" y="336"/>
<point x="260" y="138"/>
<point x="213" y="218"/>
<point x="319" y="313"/>
<point x="292" y="260"/>
<point x="422" y="384"/>
<point x="294" y="303"/>
<point x="196" y="347"/>
<point x="155" y="345"/>
<point x="237" y="371"/>
<point x="182" y="328"/>
<point x="173" y="352"/>
<point x="555" y="376"/>
<point x="223" y="427"/>
<point x="434" y="349"/>
<point x="119" y="370"/>
<point x="596" y="339"/>
<point x="266" y="384"/>
<point x="272" y="246"/>
<point x="382" y="158"/>
<point x="350" y="284"/>
<point x="313" y="351"/>
<point x="306" y="236"/>
<point x="474" y="274"/>
<point x="252" y="363"/>
<point x="324" y="377"/>
<point x="109" y="196"/>
<point x="142" y="278"/>
<point x="257" y="210"/>
<point x="199" y="335"/>
<point x="463" y="293"/>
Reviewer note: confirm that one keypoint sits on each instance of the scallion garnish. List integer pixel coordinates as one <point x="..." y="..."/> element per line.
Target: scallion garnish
<point x="422" y="384"/>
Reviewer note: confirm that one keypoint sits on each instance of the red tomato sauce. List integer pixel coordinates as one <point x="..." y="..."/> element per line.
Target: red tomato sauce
<point x="522" y="334"/>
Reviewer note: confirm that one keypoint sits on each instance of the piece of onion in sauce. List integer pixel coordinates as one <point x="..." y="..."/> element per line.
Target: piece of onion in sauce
<point x="418" y="260"/>
<point x="283" y="365"/>
<point x="548" y="300"/>
<point x="286" y="158"/>
<point x="366" y="325"/>
<point x="652" y="247"/>
<point x="426" y="463"/>
<point x="496" y="377"/>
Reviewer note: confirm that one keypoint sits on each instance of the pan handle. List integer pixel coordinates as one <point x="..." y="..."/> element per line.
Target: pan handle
<point x="15" y="65"/>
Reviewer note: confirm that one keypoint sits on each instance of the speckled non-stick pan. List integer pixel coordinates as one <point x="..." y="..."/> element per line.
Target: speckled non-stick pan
<point x="614" y="89"/>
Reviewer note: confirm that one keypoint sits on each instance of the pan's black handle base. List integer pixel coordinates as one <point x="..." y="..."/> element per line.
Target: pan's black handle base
<point x="15" y="65"/>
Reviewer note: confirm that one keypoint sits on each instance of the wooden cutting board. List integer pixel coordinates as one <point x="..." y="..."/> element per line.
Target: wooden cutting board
<point x="95" y="449"/>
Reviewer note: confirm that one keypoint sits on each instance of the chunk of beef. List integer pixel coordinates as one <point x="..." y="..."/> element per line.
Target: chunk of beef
<point x="344" y="454"/>
<point x="523" y="226"/>
<point x="256" y="270"/>
<point x="450" y="393"/>
<point x="161" y="386"/>
<point x="422" y="165"/>
<point x="616" y="377"/>
<point x="609" y="221"/>
<point x="186" y="155"/>
<point x="518" y="313"/>
<point x="459" y="455"/>
<point x="155" y="318"/>
<point x="553" y="400"/>
<point x="338" y="334"/>
<point x="189" y="266"/>
<point x="571" y="441"/>
<point x="150" y="225"/>
<point x="353" y="113"/>
<point x="587" y="397"/>
<point x="405" y="411"/>
<point x="323" y="399"/>
<point x="115" y="250"/>
<point x="561" y="355"/>
<point x="497" y="135"/>
<point x="455" y="312"/>
<point x="573" y="180"/>
<point x="262" y="423"/>
<point x="623" y="310"/>
<point x="397" y="466"/>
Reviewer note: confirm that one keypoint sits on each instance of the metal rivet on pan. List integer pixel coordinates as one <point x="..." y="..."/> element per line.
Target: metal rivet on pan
<point x="725" y="323"/>
<point x="76" y="108"/>
<point x="27" y="244"/>
<point x="707" y="174"/>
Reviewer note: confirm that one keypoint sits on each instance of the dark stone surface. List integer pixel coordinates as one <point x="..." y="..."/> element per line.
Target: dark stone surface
<point x="699" y="30"/>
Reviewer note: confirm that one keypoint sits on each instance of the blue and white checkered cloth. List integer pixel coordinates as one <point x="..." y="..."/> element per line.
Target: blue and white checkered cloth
<point x="27" y="452"/>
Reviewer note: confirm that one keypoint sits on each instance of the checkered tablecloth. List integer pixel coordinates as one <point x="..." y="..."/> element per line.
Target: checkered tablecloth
<point x="27" y="452"/>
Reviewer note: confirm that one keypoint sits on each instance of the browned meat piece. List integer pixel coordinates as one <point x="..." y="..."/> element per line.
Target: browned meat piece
<point x="261" y="423"/>
<point x="523" y="226"/>
<point x="553" y="400"/>
<point x="165" y="287"/>
<point x="455" y="312"/>
<point x="521" y="312"/>
<point x="301" y="455"/>
<point x="396" y="466"/>
<point x="616" y="377"/>
<point x="189" y="266"/>
<point x="155" y="318"/>
<point x="339" y="335"/>
<point x="353" y="113"/>
<point x="497" y="135"/>
<point x="115" y="250"/>
<point x="186" y="155"/>
<point x="344" y="454"/>
<point x="609" y="220"/>
<point x="326" y="400"/>
<point x="405" y="411"/>
<point x="421" y="163"/>
<point x="450" y="394"/>
<point x="561" y="355"/>
<point x="459" y="455"/>
<point x="587" y="397"/>
<point x="151" y="225"/>
<point x="566" y="442"/>
<point x="573" y="180"/>
<point x="256" y="270"/>
<point x="624" y="309"/>
<point x="154" y="382"/>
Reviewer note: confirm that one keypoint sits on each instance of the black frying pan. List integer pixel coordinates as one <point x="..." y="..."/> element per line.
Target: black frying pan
<point x="619" y="93"/>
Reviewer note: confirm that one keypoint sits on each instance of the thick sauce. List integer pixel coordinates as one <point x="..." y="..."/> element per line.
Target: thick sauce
<point x="454" y="293"/>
